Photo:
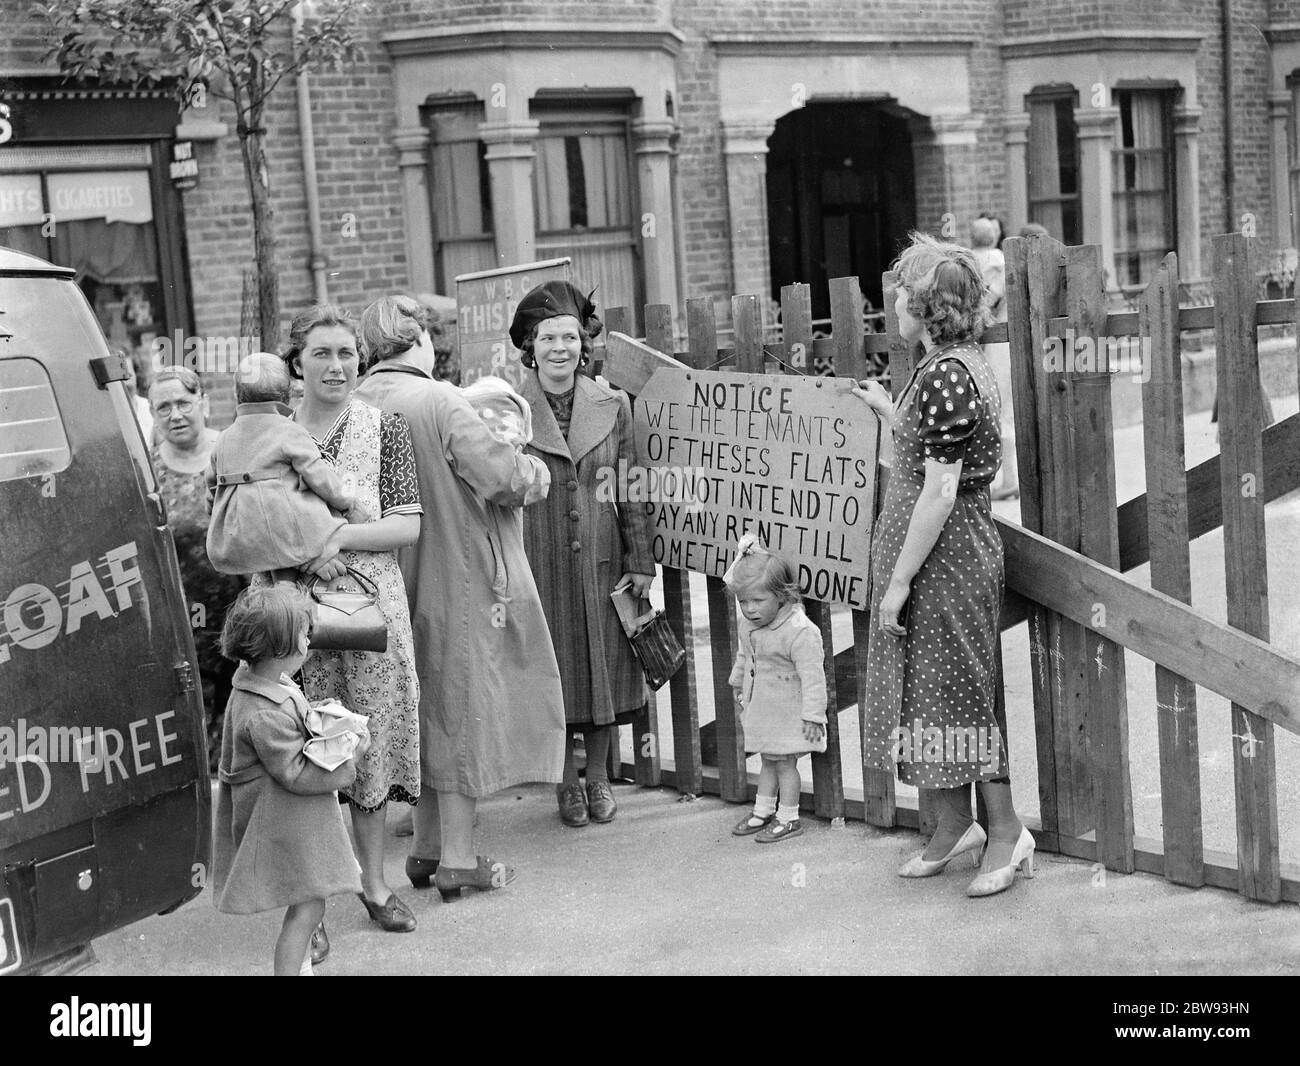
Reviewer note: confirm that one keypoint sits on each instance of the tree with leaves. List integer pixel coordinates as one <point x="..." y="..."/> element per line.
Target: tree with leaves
<point x="235" y="50"/>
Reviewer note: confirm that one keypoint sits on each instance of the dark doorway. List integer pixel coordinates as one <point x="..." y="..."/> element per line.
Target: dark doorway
<point x="841" y="196"/>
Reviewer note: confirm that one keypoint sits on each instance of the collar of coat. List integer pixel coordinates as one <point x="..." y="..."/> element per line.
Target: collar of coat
<point x="276" y="691"/>
<point x="782" y="616"/>
<point x="595" y="413"/>
<point x="267" y="407"/>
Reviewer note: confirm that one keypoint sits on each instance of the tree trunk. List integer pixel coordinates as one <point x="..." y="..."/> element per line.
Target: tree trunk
<point x="252" y="142"/>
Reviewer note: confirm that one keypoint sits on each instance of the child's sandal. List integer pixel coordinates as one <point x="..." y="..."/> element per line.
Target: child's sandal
<point x="744" y="829"/>
<point x="779" y="831"/>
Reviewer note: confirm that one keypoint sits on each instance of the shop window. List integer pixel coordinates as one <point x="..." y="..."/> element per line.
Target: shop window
<point x="1143" y="184"/>
<point x="32" y="438"/>
<point x="1053" y="161"/>
<point x="100" y="223"/>
<point x="462" y="196"/>
<point x="586" y="203"/>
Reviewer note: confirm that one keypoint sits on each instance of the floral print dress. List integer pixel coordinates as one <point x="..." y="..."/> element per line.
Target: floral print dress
<point x="373" y="455"/>
<point x="937" y="682"/>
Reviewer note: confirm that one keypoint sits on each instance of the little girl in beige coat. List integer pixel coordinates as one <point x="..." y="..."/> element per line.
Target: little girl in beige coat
<point x="780" y="682"/>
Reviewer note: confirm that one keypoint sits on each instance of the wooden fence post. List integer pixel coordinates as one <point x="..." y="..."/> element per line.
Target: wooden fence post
<point x="878" y="787"/>
<point x="702" y="330"/>
<point x="1058" y="646"/>
<point x="1025" y="350"/>
<point x="1106" y="706"/>
<point x="1171" y="571"/>
<point x="645" y="727"/>
<point x="1241" y="470"/>
<point x="619" y="319"/>
<point x="827" y="768"/>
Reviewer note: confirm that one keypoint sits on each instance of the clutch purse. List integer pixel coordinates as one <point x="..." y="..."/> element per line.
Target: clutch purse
<point x="653" y="642"/>
<point x="348" y="621"/>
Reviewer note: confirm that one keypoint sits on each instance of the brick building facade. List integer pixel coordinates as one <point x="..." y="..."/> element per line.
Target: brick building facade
<point x="680" y="148"/>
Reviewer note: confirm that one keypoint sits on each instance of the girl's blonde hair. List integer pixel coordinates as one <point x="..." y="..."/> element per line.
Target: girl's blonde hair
<point x="945" y="289"/>
<point x="756" y="566"/>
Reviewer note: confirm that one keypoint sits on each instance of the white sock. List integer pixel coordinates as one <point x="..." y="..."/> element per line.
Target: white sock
<point x="787" y="814"/>
<point x="305" y="969"/>
<point x="764" y="806"/>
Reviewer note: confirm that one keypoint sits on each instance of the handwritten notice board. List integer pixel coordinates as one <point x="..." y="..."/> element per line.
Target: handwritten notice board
<point x="485" y="304"/>
<point x="791" y="458"/>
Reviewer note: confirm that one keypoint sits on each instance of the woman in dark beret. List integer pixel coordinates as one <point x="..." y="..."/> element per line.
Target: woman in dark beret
<point x="582" y="543"/>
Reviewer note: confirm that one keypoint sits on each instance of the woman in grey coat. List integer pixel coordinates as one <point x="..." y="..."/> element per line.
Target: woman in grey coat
<point x="581" y="541"/>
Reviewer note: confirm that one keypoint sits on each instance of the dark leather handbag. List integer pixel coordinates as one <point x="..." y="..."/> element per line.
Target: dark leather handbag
<point x="653" y="642"/>
<point x="348" y="621"/>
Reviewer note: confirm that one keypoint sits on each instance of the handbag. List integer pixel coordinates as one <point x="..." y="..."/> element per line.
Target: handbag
<point x="348" y="621"/>
<point x="653" y="641"/>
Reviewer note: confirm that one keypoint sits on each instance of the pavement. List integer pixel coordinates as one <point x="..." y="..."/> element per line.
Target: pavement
<point x="666" y="889"/>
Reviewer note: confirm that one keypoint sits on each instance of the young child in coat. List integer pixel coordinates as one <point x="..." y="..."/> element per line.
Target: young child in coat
<point x="780" y="682"/>
<point x="507" y="415"/>
<point x="270" y="489"/>
<point x="278" y="833"/>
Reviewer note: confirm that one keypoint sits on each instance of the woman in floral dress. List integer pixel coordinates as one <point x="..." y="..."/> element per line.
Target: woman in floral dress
<point x="372" y="453"/>
<point x="937" y="574"/>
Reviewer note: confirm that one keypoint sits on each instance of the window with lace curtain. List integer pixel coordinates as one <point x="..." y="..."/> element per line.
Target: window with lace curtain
<point x="1143" y="184"/>
<point x="1053" y="163"/>
<point x="585" y="199"/>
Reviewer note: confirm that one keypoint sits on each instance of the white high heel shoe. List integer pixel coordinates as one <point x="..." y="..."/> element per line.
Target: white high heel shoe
<point x="999" y="880"/>
<point x="972" y="840"/>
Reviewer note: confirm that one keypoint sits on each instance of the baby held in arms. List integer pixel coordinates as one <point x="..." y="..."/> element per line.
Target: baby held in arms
<point x="507" y="415"/>
<point x="275" y="499"/>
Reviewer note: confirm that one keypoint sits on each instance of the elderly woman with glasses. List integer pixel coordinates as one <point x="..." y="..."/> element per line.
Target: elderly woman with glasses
<point x="182" y="448"/>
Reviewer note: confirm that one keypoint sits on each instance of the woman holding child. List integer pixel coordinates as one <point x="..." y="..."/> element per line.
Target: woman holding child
<point x="490" y="708"/>
<point x="372" y="454"/>
<point x="937" y="573"/>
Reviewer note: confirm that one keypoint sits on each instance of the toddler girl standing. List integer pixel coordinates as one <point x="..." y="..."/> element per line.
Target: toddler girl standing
<point x="780" y="682"/>
<point x="278" y="837"/>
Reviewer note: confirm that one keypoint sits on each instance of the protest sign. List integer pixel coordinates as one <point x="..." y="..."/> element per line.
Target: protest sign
<point x="485" y="304"/>
<point x="791" y="458"/>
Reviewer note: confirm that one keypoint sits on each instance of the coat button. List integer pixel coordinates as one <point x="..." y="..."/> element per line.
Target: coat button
<point x="576" y="545"/>
<point x="573" y="486"/>
<point x="247" y="477"/>
<point x="574" y="515"/>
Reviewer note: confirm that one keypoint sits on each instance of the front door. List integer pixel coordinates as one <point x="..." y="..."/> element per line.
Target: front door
<point x="841" y="196"/>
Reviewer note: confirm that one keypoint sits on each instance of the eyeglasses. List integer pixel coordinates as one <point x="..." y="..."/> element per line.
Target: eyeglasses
<point x="181" y="407"/>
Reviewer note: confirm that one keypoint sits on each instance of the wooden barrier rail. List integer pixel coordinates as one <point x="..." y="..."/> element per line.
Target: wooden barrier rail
<point x="1064" y="564"/>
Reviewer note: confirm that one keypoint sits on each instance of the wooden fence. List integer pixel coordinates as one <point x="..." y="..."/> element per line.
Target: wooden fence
<point x="1064" y="565"/>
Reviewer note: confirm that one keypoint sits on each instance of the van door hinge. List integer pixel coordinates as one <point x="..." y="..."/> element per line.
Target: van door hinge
<point x="185" y="677"/>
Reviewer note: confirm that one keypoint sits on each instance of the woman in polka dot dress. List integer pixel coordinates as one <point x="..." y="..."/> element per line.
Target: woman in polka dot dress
<point x="937" y="574"/>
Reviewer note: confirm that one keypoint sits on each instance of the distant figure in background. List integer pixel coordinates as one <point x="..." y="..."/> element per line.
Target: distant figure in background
<point x="1001" y="229"/>
<point x="985" y="233"/>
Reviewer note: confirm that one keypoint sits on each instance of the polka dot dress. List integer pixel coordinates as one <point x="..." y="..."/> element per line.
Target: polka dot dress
<point x="941" y="674"/>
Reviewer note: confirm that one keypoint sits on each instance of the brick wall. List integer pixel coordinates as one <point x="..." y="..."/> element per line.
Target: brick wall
<point x="359" y="177"/>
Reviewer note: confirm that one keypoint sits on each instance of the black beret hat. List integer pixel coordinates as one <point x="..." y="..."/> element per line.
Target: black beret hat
<point x="551" y="300"/>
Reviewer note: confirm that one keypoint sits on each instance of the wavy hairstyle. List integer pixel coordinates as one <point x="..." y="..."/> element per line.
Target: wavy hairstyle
<point x="313" y="318"/>
<point x="390" y="326"/>
<point x="945" y="289"/>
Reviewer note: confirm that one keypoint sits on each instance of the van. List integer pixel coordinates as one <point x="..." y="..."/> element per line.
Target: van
<point x="104" y="793"/>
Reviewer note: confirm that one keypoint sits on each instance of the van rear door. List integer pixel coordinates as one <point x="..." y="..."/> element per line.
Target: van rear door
<point x="104" y="795"/>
